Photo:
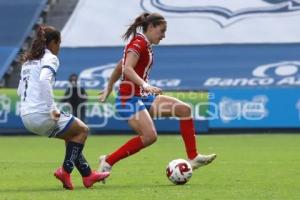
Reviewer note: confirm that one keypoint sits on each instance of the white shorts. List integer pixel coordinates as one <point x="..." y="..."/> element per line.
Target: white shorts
<point x="42" y="124"/>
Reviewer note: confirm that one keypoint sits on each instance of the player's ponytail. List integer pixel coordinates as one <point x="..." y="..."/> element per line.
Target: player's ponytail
<point x="143" y="21"/>
<point x="44" y="35"/>
<point x="138" y="22"/>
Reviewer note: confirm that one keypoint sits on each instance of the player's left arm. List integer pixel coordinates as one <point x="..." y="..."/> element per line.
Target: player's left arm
<point x="48" y="72"/>
<point x="47" y="92"/>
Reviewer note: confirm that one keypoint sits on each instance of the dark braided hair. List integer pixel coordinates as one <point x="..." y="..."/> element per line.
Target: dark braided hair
<point x="44" y="35"/>
<point x="143" y="21"/>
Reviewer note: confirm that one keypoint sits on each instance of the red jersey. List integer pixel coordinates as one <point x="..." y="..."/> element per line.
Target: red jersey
<point x="140" y="46"/>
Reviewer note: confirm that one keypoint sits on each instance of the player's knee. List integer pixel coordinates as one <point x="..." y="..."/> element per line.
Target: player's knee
<point x="185" y="110"/>
<point x="84" y="131"/>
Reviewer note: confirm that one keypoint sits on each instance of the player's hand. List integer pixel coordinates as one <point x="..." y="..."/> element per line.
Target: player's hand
<point x="153" y="90"/>
<point x="104" y="94"/>
<point x="55" y="115"/>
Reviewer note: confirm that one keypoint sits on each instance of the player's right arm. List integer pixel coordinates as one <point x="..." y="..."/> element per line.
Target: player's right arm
<point x="115" y="76"/>
<point x="19" y="91"/>
<point x="130" y="63"/>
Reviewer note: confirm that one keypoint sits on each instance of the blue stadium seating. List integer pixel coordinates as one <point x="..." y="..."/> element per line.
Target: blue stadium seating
<point x="17" y="18"/>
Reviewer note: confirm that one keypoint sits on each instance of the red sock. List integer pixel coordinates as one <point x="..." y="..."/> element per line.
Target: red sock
<point x="187" y="130"/>
<point x="128" y="149"/>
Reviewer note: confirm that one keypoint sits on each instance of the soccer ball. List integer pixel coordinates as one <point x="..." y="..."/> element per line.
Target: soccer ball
<point x="179" y="171"/>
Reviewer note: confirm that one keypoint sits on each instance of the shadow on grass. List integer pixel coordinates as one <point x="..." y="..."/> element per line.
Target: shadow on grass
<point x="38" y="190"/>
<point x="95" y="187"/>
<point x="136" y="186"/>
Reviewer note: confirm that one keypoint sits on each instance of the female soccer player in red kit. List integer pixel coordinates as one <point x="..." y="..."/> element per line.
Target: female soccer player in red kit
<point x="138" y="102"/>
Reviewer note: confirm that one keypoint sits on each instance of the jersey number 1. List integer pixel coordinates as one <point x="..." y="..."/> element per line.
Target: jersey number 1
<point x="25" y="79"/>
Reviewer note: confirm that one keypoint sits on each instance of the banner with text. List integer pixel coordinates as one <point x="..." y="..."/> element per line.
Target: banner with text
<point x="101" y="117"/>
<point x="260" y="108"/>
<point x="191" y="67"/>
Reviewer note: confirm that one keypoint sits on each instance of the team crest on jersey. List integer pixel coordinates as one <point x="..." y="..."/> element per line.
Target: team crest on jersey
<point x="223" y="13"/>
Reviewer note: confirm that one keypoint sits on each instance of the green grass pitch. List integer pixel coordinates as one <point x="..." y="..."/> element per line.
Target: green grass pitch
<point x="254" y="167"/>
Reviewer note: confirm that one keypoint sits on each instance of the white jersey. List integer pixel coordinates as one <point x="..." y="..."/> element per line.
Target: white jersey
<point x="30" y="88"/>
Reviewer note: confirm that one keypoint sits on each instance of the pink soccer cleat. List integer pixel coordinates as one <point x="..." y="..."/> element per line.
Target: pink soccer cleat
<point x="94" y="177"/>
<point x="64" y="177"/>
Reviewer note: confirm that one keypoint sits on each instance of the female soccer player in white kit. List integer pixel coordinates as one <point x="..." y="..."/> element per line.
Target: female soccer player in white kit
<point x="39" y="113"/>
